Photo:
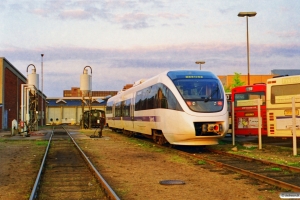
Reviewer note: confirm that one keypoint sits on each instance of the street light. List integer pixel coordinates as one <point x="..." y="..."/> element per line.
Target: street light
<point x="247" y="14"/>
<point x="200" y="62"/>
<point x="42" y="114"/>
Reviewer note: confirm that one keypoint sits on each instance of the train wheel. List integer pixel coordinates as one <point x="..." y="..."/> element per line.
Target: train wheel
<point x="158" y="137"/>
<point x="128" y="133"/>
<point x="162" y="140"/>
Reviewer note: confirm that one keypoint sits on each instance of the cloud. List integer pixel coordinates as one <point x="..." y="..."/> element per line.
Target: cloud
<point x="75" y="14"/>
<point x="132" y="20"/>
<point x="159" y="51"/>
<point x="159" y="56"/>
<point x="285" y="34"/>
<point x="171" y="16"/>
<point x="114" y="68"/>
<point x="129" y="14"/>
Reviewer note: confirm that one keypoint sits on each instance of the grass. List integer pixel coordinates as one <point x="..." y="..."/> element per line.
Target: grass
<point x="294" y="164"/>
<point x="148" y="146"/>
<point x="201" y="162"/>
<point x="274" y="169"/>
<point x="122" y="192"/>
<point x="178" y="159"/>
<point x="251" y="148"/>
<point x="222" y="142"/>
<point x="41" y="143"/>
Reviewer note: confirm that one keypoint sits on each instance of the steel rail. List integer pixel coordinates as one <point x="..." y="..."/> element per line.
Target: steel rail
<point x="285" y="167"/>
<point x="262" y="178"/>
<point x="108" y="190"/>
<point x="38" y="178"/>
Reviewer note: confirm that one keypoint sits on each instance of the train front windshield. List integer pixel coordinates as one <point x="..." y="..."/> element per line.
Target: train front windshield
<point x="201" y="94"/>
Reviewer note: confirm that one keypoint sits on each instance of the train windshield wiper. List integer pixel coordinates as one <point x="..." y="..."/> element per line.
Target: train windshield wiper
<point x="211" y="94"/>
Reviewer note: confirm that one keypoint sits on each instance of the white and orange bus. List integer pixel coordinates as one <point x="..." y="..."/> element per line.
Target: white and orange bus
<point x="280" y="91"/>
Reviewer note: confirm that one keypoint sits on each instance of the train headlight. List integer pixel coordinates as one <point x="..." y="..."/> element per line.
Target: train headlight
<point x="204" y="128"/>
<point x="213" y="128"/>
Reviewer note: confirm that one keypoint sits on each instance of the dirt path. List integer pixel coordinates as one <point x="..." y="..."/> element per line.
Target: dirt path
<point x="133" y="168"/>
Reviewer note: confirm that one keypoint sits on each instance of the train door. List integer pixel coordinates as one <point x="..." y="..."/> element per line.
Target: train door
<point x="109" y="113"/>
<point x="126" y="114"/>
<point x="118" y="115"/>
<point x="132" y="112"/>
<point x="113" y="115"/>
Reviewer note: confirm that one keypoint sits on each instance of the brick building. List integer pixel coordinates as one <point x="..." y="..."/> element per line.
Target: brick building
<point x="10" y="94"/>
<point x="76" y="92"/>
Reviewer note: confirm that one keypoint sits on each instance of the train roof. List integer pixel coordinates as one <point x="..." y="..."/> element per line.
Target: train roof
<point x="174" y="74"/>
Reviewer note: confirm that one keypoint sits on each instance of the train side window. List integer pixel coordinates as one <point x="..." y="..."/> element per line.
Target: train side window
<point x="166" y="99"/>
<point x="151" y="97"/>
<point x="156" y="96"/>
<point x="138" y="100"/>
<point x="172" y="102"/>
<point x="118" y="110"/>
<point x="109" y="107"/>
<point x="144" y="99"/>
<point x="160" y="98"/>
<point x="126" y="108"/>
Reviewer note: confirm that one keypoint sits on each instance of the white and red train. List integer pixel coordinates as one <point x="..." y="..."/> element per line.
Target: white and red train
<point x="180" y="107"/>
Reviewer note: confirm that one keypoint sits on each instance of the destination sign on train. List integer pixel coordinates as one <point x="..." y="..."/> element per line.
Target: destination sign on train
<point x="193" y="76"/>
<point x="190" y="74"/>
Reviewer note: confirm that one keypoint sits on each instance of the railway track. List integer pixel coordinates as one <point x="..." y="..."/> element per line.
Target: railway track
<point x="278" y="175"/>
<point x="281" y="176"/>
<point x="66" y="173"/>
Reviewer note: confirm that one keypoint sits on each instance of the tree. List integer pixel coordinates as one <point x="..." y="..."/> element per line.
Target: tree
<point x="236" y="82"/>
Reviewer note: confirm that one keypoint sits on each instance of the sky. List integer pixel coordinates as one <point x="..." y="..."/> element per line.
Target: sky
<point x="127" y="40"/>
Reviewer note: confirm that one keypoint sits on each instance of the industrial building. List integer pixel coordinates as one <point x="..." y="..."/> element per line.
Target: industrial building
<point x="13" y="87"/>
<point x="68" y="110"/>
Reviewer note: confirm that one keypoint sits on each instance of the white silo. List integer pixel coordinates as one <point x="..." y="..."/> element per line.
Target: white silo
<point x="85" y="82"/>
<point x="33" y="79"/>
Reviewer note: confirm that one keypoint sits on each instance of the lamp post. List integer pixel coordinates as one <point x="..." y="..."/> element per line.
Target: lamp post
<point x="200" y="62"/>
<point x="42" y="114"/>
<point x="247" y="14"/>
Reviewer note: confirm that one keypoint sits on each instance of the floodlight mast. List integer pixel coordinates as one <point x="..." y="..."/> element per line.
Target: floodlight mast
<point x="247" y="14"/>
